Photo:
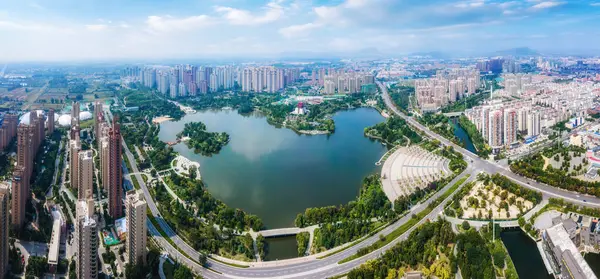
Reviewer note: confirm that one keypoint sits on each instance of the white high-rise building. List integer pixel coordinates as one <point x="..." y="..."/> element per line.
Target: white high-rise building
<point x="534" y="124"/>
<point x="247" y="80"/>
<point x="213" y="84"/>
<point x="182" y="90"/>
<point x="135" y="245"/>
<point x="163" y="82"/>
<point x="523" y="115"/>
<point x="173" y="90"/>
<point x="86" y="240"/>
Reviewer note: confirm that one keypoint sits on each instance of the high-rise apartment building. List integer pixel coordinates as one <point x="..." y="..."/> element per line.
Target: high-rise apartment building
<point x="136" y="227"/>
<point x="510" y="126"/>
<point x="74" y="148"/>
<point x="496" y="121"/>
<point x="28" y="141"/>
<point x="19" y="197"/>
<point x="104" y="162"/>
<point x="182" y="90"/>
<point x="25" y="148"/>
<point x="86" y="240"/>
<point x="50" y="122"/>
<point x="115" y="173"/>
<point x="75" y="114"/>
<point x="8" y="130"/>
<point x="534" y="124"/>
<point x="4" y="223"/>
<point x="86" y="173"/>
<point x="173" y="90"/>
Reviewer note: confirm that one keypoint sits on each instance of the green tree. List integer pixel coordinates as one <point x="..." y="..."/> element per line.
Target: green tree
<point x="182" y="272"/>
<point x="465" y="225"/>
<point x="135" y="271"/>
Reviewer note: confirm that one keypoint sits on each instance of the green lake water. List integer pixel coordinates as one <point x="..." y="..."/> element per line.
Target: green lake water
<point x="276" y="173"/>
<point x="281" y="248"/>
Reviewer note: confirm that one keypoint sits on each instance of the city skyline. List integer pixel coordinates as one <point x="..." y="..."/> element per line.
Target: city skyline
<point x="96" y="30"/>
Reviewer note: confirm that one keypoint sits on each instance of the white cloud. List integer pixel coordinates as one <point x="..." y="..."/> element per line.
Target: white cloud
<point x="356" y="3"/>
<point x="597" y="4"/>
<point x="470" y="4"/>
<point x="30" y="26"/>
<point x="546" y="5"/>
<point x="329" y="14"/>
<point x="506" y="5"/>
<point x="169" y="23"/>
<point x="96" y="27"/>
<point x="35" y="6"/>
<point x="299" y="30"/>
<point x="273" y="12"/>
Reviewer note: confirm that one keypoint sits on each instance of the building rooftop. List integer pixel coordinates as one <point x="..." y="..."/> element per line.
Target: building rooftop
<point x="54" y="243"/>
<point x="574" y="261"/>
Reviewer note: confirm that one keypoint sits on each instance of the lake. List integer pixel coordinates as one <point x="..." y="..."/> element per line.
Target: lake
<point x="276" y="173"/>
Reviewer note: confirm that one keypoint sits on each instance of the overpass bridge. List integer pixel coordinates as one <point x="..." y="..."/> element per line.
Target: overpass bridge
<point x="453" y="114"/>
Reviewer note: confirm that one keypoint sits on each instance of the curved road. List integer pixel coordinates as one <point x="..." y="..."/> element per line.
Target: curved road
<point x="329" y="266"/>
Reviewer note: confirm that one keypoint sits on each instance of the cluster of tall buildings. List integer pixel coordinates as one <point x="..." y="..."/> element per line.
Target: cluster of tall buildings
<point x="499" y="65"/>
<point x="538" y="103"/>
<point x="81" y="162"/>
<point x="189" y="80"/>
<point x="341" y="82"/>
<point x="267" y="78"/>
<point x="500" y="125"/>
<point x="514" y="84"/>
<point x="29" y="138"/>
<point x="108" y="140"/>
<point x="445" y="88"/>
<point x="8" y="130"/>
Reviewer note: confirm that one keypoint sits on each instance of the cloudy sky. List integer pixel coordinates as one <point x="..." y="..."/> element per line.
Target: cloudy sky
<point x="162" y="29"/>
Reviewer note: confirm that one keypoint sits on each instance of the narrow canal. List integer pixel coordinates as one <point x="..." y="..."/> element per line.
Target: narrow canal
<point x="524" y="254"/>
<point x="594" y="261"/>
<point x="462" y="135"/>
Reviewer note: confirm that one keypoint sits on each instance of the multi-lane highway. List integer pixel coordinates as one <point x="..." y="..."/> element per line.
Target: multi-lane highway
<point x="327" y="267"/>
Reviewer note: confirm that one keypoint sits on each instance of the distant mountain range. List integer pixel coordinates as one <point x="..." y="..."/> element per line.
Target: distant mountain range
<point x="519" y="51"/>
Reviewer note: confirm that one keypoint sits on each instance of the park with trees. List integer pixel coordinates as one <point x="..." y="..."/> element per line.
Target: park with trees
<point x="536" y="168"/>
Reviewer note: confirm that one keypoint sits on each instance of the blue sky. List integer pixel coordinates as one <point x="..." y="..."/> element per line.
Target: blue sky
<point x="159" y="29"/>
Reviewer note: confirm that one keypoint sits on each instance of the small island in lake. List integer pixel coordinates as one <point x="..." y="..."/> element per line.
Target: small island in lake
<point x="195" y="136"/>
